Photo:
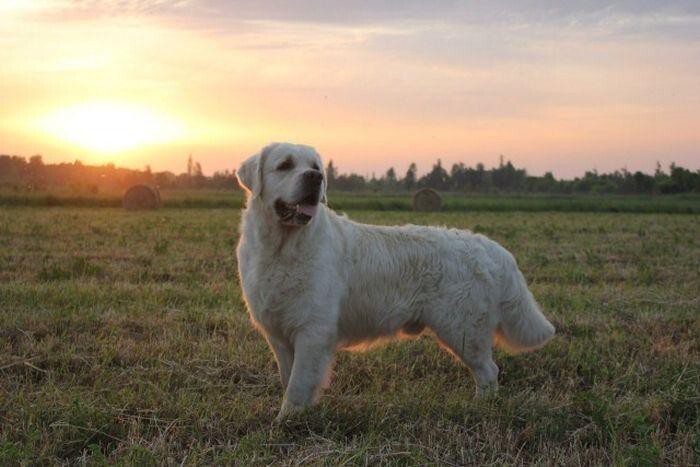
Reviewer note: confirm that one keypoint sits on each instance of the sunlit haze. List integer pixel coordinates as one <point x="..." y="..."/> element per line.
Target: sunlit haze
<point x="553" y="86"/>
<point x="106" y="128"/>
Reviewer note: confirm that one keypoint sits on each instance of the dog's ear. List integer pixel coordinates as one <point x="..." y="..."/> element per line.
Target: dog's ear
<point x="247" y="173"/>
<point x="250" y="173"/>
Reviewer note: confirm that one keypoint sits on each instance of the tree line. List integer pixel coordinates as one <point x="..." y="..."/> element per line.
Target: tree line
<point x="33" y="174"/>
<point x="506" y="178"/>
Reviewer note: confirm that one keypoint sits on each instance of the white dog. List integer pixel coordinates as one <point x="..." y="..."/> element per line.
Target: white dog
<point x="315" y="281"/>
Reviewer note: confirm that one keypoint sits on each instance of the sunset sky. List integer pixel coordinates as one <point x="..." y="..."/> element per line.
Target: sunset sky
<point x="553" y="85"/>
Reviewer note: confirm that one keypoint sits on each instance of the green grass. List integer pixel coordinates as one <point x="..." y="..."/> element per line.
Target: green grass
<point x="671" y="204"/>
<point x="123" y="339"/>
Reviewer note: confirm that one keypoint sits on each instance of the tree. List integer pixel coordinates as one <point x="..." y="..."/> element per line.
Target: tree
<point x="36" y="161"/>
<point x="36" y="171"/>
<point x="389" y="181"/>
<point x="507" y="177"/>
<point x="458" y="176"/>
<point x="437" y="178"/>
<point x="331" y="173"/>
<point x="682" y="180"/>
<point x="481" y="178"/>
<point x="199" y="178"/>
<point x="409" y="181"/>
<point x="642" y="183"/>
<point x="351" y="182"/>
<point x="659" y="172"/>
<point x="190" y="166"/>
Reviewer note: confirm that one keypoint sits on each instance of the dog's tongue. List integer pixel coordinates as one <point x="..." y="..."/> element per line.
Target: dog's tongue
<point x="308" y="209"/>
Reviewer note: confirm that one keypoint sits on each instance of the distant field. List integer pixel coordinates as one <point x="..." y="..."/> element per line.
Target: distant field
<point x="123" y="338"/>
<point x="679" y="204"/>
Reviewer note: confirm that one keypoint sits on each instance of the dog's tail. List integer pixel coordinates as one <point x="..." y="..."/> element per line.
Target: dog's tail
<point x="522" y="327"/>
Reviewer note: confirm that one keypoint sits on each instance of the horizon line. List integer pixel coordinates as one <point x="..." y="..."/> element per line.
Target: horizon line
<point x="503" y="161"/>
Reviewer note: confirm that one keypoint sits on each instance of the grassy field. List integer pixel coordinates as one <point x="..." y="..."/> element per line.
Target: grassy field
<point x="123" y="338"/>
<point x="452" y="202"/>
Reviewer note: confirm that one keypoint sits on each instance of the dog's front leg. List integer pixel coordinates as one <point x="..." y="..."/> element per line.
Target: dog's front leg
<point x="313" y="354"/>
<point x="284" y="354"/>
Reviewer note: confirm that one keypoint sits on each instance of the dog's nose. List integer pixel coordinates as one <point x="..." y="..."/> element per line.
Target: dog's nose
<point x="313" y="177"/>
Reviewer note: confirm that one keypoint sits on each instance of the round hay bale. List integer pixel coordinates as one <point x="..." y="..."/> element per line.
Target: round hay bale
<point x="427" y="200"/>
<point x="141" y="197"/>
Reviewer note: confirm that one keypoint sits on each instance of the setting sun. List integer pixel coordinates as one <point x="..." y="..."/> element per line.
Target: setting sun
<point x="109" y="128"/>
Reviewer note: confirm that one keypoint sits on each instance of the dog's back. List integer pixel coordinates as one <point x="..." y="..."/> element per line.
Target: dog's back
<point x="405" y="278"/>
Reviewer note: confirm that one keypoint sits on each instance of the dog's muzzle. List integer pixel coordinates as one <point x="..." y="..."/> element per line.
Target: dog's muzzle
<point x="302" y="211"/>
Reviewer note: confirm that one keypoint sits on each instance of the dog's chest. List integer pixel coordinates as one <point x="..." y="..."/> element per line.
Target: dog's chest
<point x="275" y="289"/>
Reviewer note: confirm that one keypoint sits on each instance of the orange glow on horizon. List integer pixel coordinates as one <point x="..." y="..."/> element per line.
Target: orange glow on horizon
<point x="109" y="128"/>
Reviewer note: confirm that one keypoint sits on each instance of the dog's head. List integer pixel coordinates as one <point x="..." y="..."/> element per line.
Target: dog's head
<point x="287" y="178"/>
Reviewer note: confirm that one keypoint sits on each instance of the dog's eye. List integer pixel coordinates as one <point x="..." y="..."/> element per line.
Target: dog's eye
<point x="286" y="165"/>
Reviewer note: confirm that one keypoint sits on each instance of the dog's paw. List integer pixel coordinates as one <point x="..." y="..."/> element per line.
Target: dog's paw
<point x="288" y="410"/>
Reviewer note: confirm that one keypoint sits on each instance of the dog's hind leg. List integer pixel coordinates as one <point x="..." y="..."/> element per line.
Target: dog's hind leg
<point x="475" y="350"/>
<point x="312" y="360"/>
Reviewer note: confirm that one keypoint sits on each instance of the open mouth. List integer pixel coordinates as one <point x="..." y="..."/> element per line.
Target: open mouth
<point x="299" y="213"/>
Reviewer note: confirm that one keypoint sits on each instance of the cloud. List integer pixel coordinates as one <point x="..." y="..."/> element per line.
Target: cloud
<point x="364" y="12"/>
<point x="372" y="11"/>
<point x="596" y="19"/>
<point x="77" y="10"/>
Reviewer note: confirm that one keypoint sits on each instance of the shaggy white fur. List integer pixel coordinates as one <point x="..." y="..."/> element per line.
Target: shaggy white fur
<point x="315" y="281"/>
